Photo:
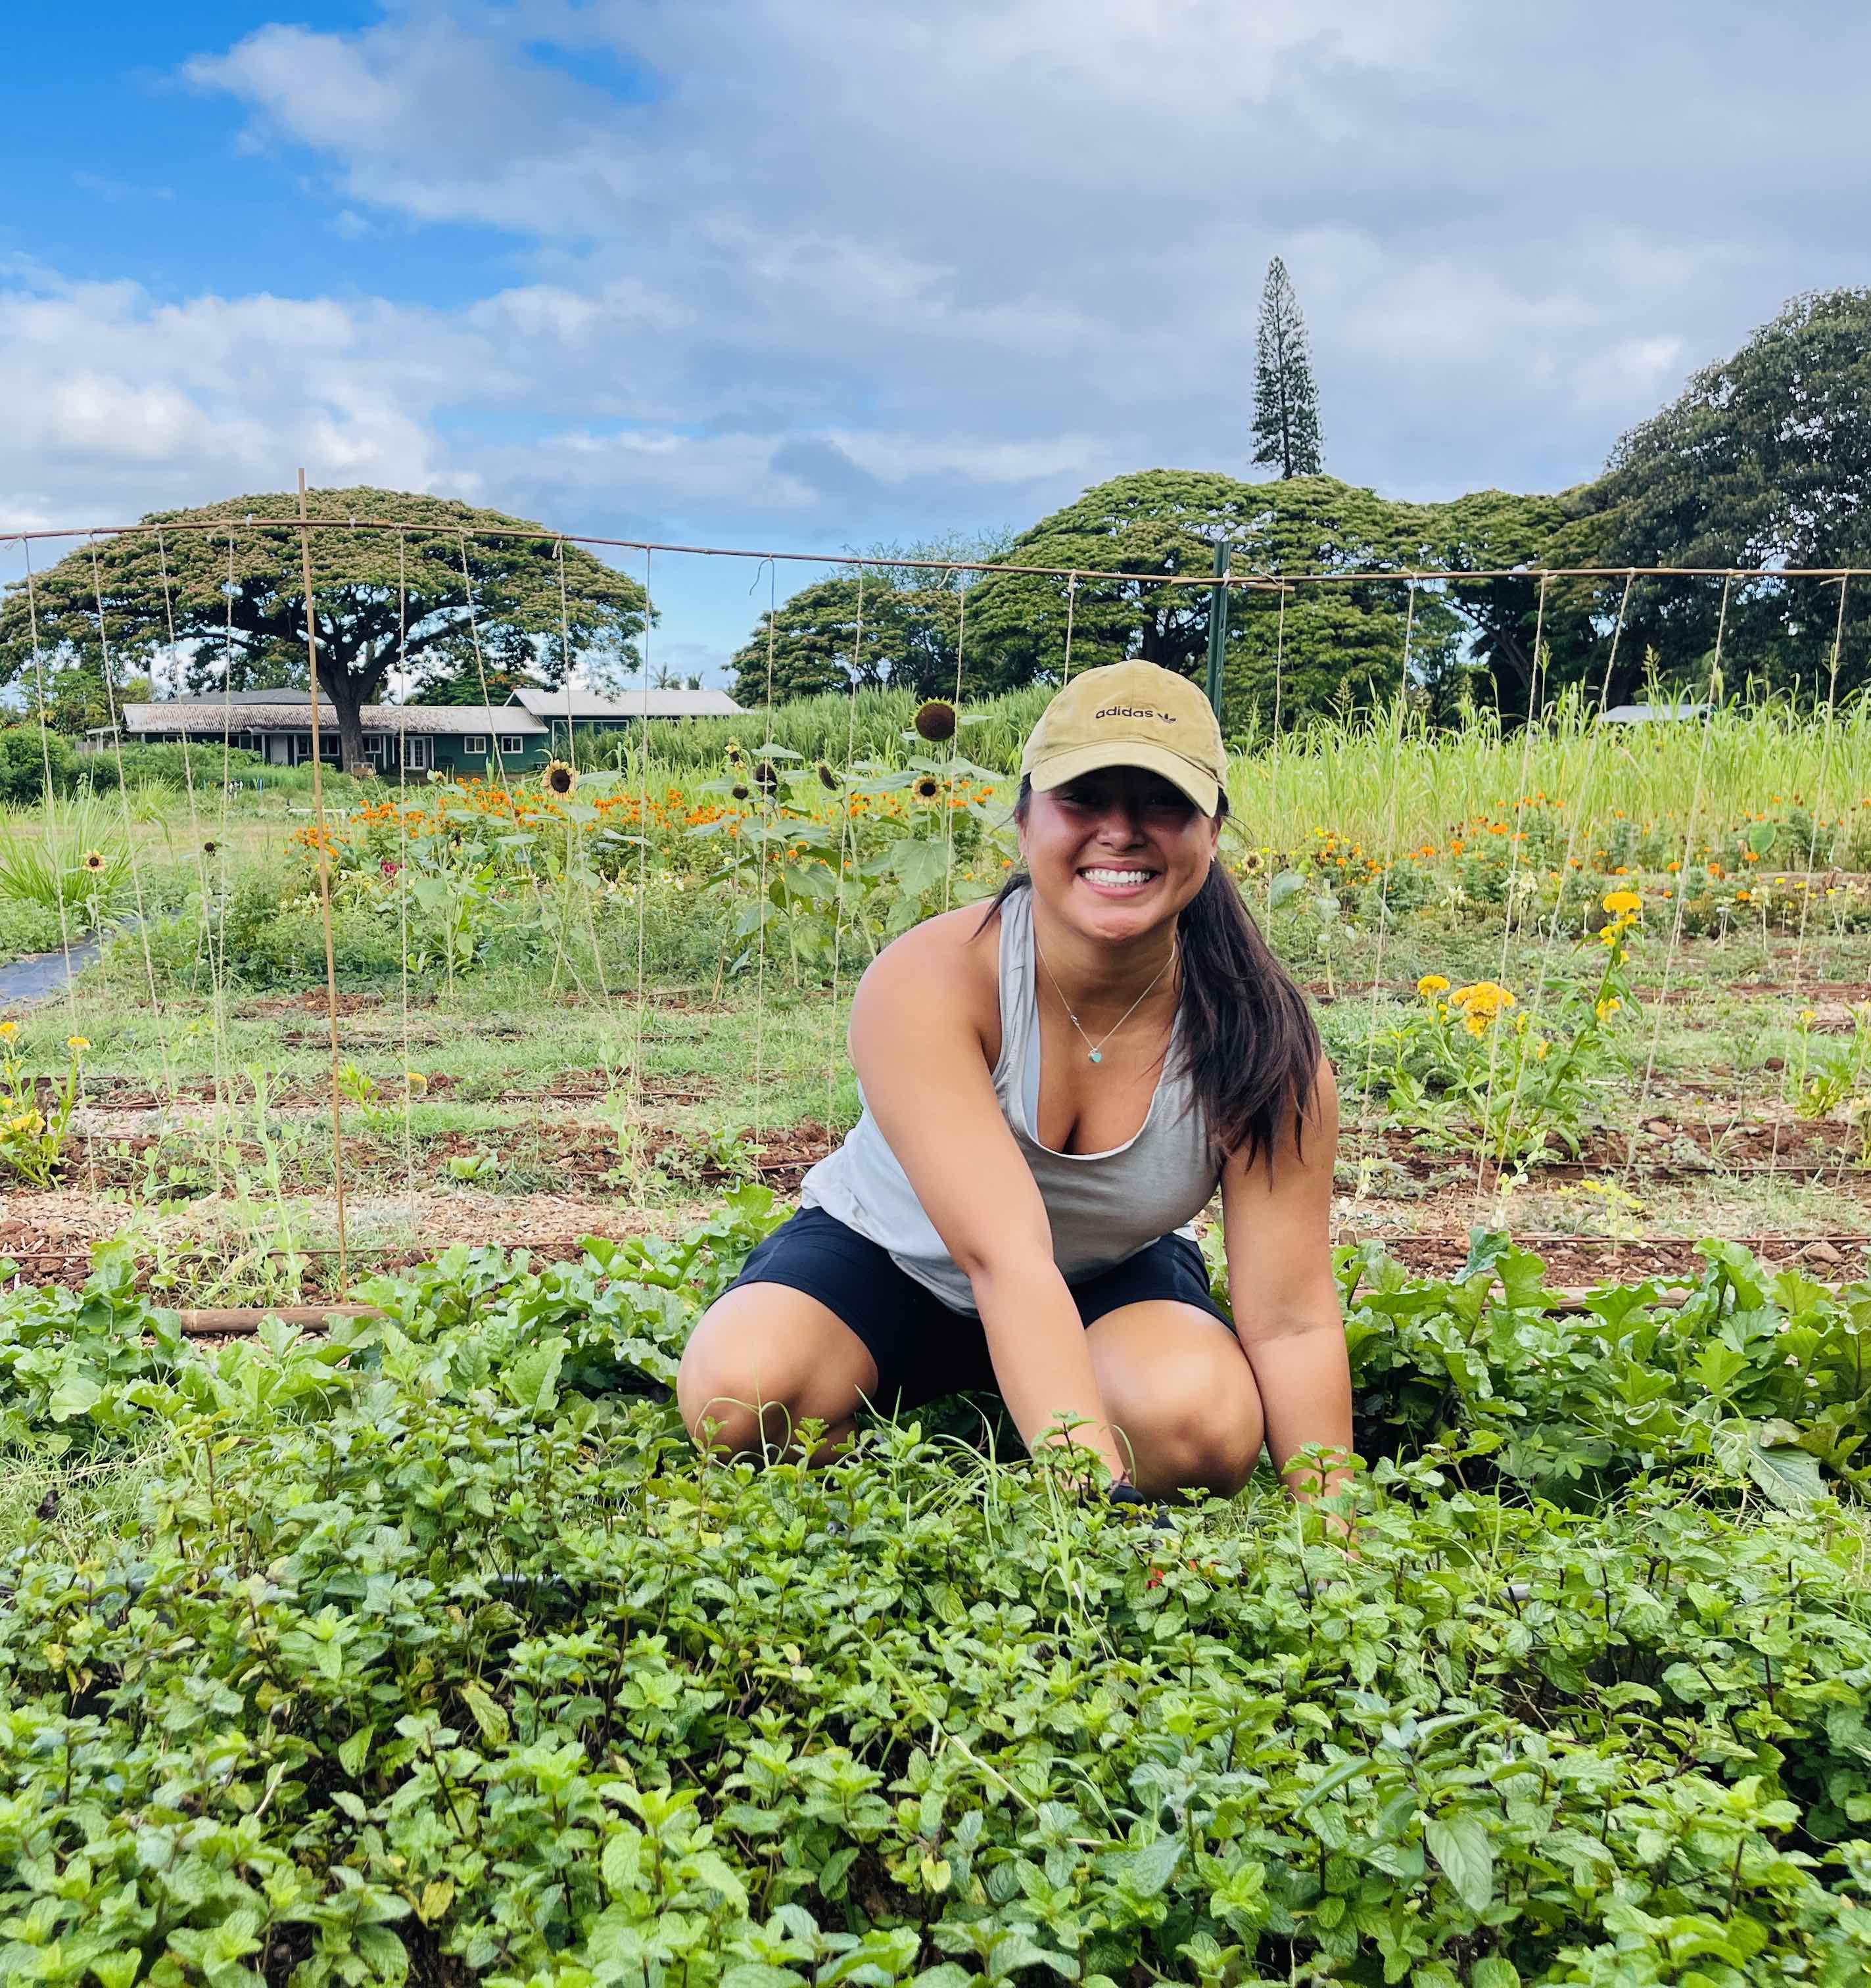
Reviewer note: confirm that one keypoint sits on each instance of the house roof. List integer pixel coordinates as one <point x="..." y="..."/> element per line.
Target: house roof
<point x="550" y="704"/>
<point x="210" y="715"/>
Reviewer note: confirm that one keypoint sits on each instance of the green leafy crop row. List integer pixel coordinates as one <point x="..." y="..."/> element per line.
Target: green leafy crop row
<point x="435" y="1654"/>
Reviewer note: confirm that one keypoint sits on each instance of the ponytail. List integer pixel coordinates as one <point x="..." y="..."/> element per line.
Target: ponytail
<point x="1250" y="1047"/>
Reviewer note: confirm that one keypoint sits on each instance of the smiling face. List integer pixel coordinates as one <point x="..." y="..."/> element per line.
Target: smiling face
<point x="1116" y="852"/>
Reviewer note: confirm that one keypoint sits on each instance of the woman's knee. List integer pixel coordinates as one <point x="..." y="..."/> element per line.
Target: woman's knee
<point x="1209" y="1437"/>
<point x="759" y="1362"/>
<point x="1183" y="1396"/>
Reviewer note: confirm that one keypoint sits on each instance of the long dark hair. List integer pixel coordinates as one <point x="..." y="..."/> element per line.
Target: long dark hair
<point x="1249" y="1045"/>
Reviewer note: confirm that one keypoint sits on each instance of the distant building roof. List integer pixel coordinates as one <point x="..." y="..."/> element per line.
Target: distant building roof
<point x="258" y="697"/>
<point x="1650" y="714"/>
<point x="210" y="715"/>
<point x="549" y="704"/>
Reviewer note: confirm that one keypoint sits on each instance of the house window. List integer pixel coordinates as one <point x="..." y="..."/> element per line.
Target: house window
<point x="416" y="753"/>
<point x="513" y="745"/>
<point x="377" y="746"/>
<point x="474" y="745"/>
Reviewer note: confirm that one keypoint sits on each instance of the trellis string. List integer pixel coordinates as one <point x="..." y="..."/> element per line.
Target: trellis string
<point x="324" y="893"/>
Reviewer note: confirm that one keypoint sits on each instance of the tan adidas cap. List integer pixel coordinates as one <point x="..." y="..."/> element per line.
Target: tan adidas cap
<point x="1133" y="714"/>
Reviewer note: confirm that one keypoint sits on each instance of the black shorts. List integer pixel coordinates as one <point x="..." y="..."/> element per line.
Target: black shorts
<point x="923" y="1348"/>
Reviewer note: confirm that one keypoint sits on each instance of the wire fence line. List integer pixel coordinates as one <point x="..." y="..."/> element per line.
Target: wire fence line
<point x="304" y="530"/>
<point x="1248" y="581"/>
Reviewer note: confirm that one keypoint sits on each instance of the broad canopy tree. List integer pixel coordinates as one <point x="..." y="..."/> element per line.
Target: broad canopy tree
<point x="1340" y="644"/>
<point x="442" y="602"/>
<point x="913" y="620"/>
<point x="1764" y="460"/>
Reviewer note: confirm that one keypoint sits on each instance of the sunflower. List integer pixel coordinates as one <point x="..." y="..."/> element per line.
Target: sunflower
<point x="935" y="721"/>
<point x="210" y="849"/>
<point x="827" y="779"/>
<point x="741" y="791"/>
<point x="92" y="860"/>
<point x="766" y="776"/>
<point x="927" y="788"/>
<point x="558" y="779"/>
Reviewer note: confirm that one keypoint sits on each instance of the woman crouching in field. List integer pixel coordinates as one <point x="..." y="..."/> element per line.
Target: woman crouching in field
<point x="1051" y="1094"/>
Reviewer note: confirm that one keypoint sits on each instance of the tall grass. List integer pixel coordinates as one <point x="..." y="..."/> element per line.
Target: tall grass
<point x="43" y="863"/>
<point x="871" y="723"/>
<point x="1386" y="780"/>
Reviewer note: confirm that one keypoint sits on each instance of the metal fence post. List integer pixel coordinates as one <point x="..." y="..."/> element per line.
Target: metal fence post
<point x="1218" y="628"/>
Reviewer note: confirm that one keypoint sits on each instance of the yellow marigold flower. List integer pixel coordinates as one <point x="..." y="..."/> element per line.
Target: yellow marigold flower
<point x="1808" y="1015"/>
<point x="1622" y="902"/>
<point x="1485" y="998"/>
<point x="1608" y="1007"/>
<point x="77" y="1041"/>
<point x="1431" y="983"/>
<point x="1476" y="1025"/>
<point x="1539" y="1051"/>
<point x="8" y="1030"/>
<point x="416" y="1081"/>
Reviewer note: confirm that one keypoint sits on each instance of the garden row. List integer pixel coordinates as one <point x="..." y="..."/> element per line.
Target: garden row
<point x="428" y="1648"/>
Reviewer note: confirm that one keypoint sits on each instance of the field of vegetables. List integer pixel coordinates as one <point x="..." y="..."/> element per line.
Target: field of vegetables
<point x="417" y="1644"/>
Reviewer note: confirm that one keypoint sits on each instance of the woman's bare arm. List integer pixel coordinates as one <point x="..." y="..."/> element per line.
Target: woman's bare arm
<point x="917" y="1046"/>
<point x="1277" y="1222"/>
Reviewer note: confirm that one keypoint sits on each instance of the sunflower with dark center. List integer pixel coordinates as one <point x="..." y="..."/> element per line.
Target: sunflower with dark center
<point x="935" y="721"/>
<point x="210" y="849"/>
<point x="558" y="779"/>
<point x="827" y="779"/>
<point x="93" y="860"/>
<point x="741" y="791"/>
<point x="766" y="776"/>
<point x="927" y="788"/>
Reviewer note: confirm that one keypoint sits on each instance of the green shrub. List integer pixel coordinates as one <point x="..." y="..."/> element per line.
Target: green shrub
<point x="437" y="1655"/>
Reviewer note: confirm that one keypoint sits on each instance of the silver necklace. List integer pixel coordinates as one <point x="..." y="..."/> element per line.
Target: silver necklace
<point x="1095" y="1051"/>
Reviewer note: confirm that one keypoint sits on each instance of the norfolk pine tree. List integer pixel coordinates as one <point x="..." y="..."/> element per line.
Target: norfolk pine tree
<point x="1286" y="402"/>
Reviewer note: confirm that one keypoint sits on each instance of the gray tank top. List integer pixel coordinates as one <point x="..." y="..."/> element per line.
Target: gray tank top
<point x="1103" y="1207"/>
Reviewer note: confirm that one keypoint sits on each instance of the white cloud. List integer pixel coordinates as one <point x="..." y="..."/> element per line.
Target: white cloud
<point x="853" y="269"/>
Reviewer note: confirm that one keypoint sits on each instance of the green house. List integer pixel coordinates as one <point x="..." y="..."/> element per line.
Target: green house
<point x="414" y="740"/>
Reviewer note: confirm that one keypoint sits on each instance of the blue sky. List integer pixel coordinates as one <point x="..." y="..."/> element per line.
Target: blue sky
<point x="807" y="274"/>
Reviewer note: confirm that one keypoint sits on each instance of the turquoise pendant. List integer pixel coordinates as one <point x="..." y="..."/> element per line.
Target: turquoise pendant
<point x="1098" y="1055"/>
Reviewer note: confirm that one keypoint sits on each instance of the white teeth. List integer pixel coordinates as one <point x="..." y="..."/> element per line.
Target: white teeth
<point x="1117" y="877"/>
